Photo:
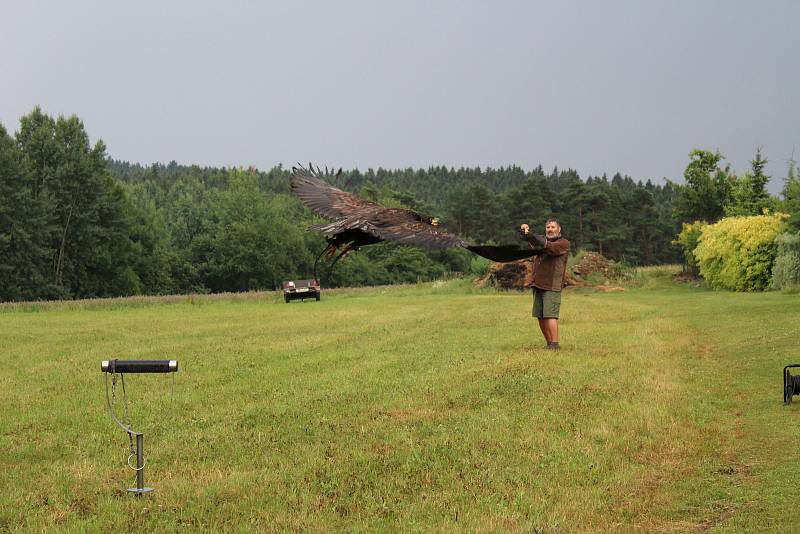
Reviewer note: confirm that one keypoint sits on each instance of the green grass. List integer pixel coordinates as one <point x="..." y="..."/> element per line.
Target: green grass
<point x="419" y="408"/>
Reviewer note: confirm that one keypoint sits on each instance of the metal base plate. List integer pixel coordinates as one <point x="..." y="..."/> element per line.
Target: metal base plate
<point x="140" y="491"/>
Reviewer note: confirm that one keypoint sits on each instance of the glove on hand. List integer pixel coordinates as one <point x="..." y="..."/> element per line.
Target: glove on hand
<point x="533" y="239"/>
<point x="538" y="240"/>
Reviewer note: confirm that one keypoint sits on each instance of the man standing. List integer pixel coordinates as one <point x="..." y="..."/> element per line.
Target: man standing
<point x="549" y="267"/>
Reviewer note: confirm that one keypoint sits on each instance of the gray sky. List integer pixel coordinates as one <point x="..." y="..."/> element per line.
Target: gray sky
<point x="598" y="87"/>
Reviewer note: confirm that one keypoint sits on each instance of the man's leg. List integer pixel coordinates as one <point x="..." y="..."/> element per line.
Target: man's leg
<point x="552" y="307"/>
<point x="538" y="311"/>
<point x="544" y="329"/>
<point x="549" y="329"/>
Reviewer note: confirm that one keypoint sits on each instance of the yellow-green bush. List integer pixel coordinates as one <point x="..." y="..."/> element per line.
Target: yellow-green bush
<point x="738" y="252"/>
<point x="687" y="239"/>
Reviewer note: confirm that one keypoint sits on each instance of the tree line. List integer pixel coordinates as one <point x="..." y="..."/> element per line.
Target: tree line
<point x="76" y="224"/>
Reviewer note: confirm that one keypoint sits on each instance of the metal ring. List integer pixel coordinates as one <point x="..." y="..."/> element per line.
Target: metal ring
<point x="144" y="462"/>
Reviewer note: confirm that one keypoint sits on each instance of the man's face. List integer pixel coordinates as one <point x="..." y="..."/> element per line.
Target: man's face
<point x="552" y="230"/>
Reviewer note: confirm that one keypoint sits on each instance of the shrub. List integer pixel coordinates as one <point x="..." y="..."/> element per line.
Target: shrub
<point x="621" y="271"/>
<point x="738" y="252"/>
<point x="478" y="265"/>
<point x="687" y="239"/>
<point x="786" y="271"/>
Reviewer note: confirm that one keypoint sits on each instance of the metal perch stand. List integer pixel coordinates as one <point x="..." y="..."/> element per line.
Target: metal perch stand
<point x="114" y="367"/>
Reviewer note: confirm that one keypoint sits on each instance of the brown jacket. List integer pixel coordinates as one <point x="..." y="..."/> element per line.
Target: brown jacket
<point x="550" y="266"/>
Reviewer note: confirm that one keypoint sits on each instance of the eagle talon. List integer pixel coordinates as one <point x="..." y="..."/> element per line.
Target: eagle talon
<point x="348" y="250"/>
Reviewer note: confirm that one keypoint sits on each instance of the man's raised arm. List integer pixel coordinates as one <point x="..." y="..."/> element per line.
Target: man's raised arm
<point x="536" y="241"/>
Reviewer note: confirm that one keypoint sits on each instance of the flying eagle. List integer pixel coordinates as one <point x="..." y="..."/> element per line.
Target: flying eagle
<point x="357" y="222"/>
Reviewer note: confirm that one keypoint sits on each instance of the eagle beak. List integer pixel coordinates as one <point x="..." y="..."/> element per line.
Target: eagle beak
<point x="435" y="221"/>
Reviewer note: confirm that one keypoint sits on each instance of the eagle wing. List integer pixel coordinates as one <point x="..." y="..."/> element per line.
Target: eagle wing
<point x="393" y="224"/>
<point x="351" y="212"/>
<point x="325" y="199"/>
<point x="406" y="226"/>
<point x="503" y="253"/>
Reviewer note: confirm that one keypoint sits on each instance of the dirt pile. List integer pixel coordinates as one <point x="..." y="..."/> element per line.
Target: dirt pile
<point x="512" y="275"/>
<point x="590" y="263"/>
<point x="515" y="275"/>
<point x="519" y="274"/>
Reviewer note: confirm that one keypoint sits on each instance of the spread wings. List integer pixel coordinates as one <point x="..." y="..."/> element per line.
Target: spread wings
<point x="325" y="199"/>
<point x="351" y="213"/>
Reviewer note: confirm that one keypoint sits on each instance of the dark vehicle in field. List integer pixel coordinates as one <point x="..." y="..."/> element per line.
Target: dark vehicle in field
<point x="301" y="289"/>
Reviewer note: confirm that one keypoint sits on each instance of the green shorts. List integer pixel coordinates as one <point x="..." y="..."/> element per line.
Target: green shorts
<point x="546" y="304"/>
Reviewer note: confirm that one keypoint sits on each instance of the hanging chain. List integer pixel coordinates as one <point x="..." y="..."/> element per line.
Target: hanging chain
<point x="127" y="419"/>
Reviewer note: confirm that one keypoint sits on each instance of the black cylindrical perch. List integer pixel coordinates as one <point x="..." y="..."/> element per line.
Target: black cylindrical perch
<point x="139" y="366"/>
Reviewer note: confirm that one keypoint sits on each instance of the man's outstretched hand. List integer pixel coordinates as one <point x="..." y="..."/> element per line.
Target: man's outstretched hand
<point x="535" y="240"/>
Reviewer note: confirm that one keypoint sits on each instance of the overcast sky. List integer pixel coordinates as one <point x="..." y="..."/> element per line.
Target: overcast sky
<point x="599" y="87"/>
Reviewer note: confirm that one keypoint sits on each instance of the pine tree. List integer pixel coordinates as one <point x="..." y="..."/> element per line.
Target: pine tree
<point x="749" y="194"/>
<point x="791" y="195"/>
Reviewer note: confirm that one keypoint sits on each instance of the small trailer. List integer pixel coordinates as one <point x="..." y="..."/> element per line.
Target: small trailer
<point x="301" y="289"/>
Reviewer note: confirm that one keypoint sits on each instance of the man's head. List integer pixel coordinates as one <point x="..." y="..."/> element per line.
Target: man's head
<point x="552" y="229"/>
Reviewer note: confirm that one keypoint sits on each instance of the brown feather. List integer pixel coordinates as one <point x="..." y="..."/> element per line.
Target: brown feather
<point x="325" y="199"/>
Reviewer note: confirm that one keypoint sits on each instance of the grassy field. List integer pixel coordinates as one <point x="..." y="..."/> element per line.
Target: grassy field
<point x="421" y="408"/>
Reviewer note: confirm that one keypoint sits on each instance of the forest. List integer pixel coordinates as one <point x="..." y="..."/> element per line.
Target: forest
<point x="75" y="223"/>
